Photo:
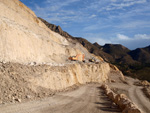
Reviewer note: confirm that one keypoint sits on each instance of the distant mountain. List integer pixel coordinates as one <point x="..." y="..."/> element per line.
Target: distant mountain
<point x="132" y="63"/>
<point x="117" y="51"/>
<point x="95" y="50"/>
<point x="89" y="46"/>
<point x="141" y="54"/>
<point x="97" y="45"/>
<point x="147" y="49"/>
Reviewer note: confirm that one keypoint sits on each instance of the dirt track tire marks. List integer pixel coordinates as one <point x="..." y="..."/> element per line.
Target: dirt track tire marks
<point x="137" y="96"/>
<point x="82" y="100"/>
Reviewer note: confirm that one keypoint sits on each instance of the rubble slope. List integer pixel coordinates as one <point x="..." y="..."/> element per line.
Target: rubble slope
<point x="34" y="59"/>
<point x="24" y="38"/>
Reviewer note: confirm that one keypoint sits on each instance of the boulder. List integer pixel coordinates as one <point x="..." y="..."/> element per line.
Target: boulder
<point x="107" y="91"/>
<point x="113" y="81"/>
<point x="124" y="102"/>
<point x="132" y="110"/>
<point x="17" y="99"/>
<point x="104" y="86"/>
<point x="112" y="95"/>
<point x="145" y="83"/>
<point x="118" y="97"/>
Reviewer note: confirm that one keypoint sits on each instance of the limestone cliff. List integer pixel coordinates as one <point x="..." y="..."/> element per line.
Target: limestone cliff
<point x="25" y="39"/>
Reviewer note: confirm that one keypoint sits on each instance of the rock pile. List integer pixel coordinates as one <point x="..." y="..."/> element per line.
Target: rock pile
<point x="146" y="91"/>
<point x="144" y="83"/>
<point x="125" y="104"/>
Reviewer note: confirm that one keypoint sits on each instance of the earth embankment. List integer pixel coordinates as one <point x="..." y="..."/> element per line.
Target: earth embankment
<point x="28" y="82"/>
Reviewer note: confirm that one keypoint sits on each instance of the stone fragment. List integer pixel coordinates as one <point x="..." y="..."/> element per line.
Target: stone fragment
<point x="123" y="103"/>
<point x="28" y="97"/>
<point x="17" y="99"/>
<point x="118" y="97"/>
<point x="113" y="81"/>
<point x="112" y="95"/>
<point x="104" y="86"/>
<point x="132" y="110"/>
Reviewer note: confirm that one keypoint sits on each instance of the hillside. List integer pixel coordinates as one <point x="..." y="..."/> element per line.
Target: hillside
<point x="42" y="71"/>
<point x="135" y="63"/>
<point x="34" y="60"/>
<point x="141" y="54"/>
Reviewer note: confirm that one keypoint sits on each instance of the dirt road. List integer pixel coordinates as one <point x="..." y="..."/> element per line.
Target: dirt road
<point x="86" y="99"/>
<point x="134" y="92"/>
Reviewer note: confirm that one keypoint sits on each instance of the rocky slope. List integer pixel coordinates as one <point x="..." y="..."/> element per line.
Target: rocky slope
<point x="56" y="28"/>
<point x="109" y="52"/>
<point x="20" y="82"/>
<point x="141" y="54"/>
<point x="132" y="62"/>
<point x="25" y="39"/>
<point x="34" y="60"/>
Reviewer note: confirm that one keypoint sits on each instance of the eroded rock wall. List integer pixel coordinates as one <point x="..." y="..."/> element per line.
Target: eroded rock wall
<point x="21" y="81"/>
<point x="24" y="38"/>
<point x="62" y="77"/>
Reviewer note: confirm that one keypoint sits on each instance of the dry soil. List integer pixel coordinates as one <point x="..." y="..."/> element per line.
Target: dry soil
<point x="86" y="99"/>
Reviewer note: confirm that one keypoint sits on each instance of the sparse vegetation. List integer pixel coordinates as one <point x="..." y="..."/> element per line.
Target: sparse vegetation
<point x="140" y="71"/>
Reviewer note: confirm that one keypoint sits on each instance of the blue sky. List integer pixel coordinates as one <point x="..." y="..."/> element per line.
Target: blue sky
<point x="104" y="21"/>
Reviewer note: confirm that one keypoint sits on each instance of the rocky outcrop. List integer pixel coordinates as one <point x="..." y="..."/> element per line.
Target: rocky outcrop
<point x="141" y="55"/>
<point x="25" y="39"/>
<point x="22" y="82"/>
<point x="68" y="75"/>
<point x="125" y="104"/>
<point x="55" y="28"/>
<point x="126" y="60"/>
<point x="34" y="60"/>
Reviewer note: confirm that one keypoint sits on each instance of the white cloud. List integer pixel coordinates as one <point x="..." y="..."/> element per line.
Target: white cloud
<point x="103" y="41"/>
<point x="133" y="24"/>
<point x="113" y="0"/>
<point x="116" y="5"/>
<point x="142" y="36"/>
<point x="54" y="11"/>
<point x="138" y="40"/>
<point x="101" y="16"/>
<point x="91" y="27"/>
<point x="92" y="16"/>
<point x="59" y="4"/>
<point x="100" y="41"/>
<point x="122" y="37"/>
<point x="96" y="37"/>
<point x="135" y="37"/>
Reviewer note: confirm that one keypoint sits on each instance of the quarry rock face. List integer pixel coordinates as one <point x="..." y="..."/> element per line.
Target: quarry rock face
<point x="23" y="82"/>
<point x="72" y="74"/>
<point x="34" y="59"/>
<point x="24" y="38"/>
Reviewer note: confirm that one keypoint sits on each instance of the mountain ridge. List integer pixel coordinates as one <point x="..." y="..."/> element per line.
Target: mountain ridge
<point x="125" y="59"/>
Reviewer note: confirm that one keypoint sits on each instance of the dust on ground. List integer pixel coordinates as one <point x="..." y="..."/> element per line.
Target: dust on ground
<point x="16" y="94"/>
<point x="86" y="99"/>
<point x="15" y="87"/>
<point x="132" y="90"/>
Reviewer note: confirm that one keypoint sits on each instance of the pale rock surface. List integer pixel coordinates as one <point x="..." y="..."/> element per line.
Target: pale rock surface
<point x="62" y="77"/>
<point x="34" y="59"/>
<point x="24" y="38"/>
<point x="119" y="96"/>
<point x="112" y="95"/>
<point x="132" y="110"/>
